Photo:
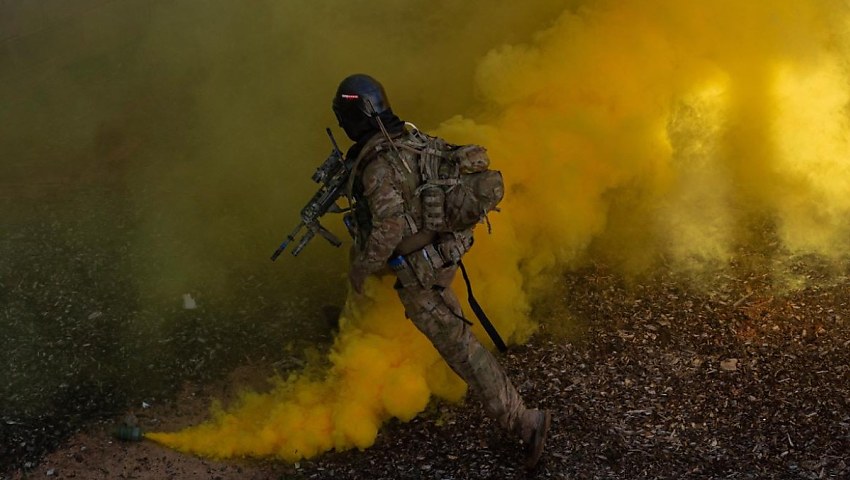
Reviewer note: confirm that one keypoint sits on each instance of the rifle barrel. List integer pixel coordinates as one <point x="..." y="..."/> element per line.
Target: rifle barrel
<point x="289" y="238"/>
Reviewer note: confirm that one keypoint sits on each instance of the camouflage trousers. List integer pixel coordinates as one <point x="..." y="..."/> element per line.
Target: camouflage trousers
<point x="436" y="312"/>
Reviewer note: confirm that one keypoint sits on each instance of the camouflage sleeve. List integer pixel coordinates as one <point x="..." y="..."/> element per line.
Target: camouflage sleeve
<point x="381" y="188"/>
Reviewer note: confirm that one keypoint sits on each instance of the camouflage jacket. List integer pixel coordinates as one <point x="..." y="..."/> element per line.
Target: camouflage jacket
<point x="381" y="214"/>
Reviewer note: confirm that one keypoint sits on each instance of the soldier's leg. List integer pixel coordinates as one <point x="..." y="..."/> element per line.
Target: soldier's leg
<point x="437" y="314"/>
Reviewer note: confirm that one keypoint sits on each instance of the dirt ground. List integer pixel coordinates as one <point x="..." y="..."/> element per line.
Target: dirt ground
<point x="659" y="380"/>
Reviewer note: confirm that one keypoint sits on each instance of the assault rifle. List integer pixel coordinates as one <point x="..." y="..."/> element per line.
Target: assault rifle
<point x="332" y="177"/>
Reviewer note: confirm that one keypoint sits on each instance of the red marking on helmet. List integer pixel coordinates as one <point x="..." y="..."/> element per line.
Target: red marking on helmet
<point x="350" y="97"/>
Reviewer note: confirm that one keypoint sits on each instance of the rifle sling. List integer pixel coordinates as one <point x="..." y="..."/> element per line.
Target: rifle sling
<point x="479" y="312"/>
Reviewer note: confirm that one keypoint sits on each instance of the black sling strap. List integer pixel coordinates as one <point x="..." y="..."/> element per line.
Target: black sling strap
<point x="479" y="312"/>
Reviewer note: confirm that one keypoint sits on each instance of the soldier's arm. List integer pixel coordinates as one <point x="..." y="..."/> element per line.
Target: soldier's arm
<point x="386" y="204"/>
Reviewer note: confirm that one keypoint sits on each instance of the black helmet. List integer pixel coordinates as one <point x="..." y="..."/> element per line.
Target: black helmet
<point x="359" y="99"/>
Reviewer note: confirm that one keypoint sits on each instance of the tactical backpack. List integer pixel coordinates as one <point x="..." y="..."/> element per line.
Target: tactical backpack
<point x="455" y="184"/>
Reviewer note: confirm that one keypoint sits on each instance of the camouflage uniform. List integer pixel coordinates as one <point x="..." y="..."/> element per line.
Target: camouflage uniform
<point x="384" y="218"/>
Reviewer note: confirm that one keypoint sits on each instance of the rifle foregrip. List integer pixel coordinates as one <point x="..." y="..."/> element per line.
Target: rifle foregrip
<point x="303" y="242"/>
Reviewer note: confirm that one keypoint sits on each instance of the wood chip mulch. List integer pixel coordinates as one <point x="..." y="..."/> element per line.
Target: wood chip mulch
<point x="657" y="378"/>
<point x="661" y="381"/>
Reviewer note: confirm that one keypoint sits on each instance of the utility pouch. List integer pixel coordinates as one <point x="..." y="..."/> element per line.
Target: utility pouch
<point x="433" y="208"/>
<point x="471" y="158"/>
<point x="425" y="263"/>
<point x="403" y="272"/>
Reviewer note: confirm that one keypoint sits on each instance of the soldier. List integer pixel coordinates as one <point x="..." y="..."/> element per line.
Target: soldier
<point x="390" y="221"/>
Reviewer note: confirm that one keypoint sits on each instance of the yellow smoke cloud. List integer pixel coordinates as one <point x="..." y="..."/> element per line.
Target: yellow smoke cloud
<point x="628" y="130"/>
<point x="382" y="368"/>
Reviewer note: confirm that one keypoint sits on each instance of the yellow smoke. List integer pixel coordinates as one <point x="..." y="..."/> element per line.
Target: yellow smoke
<point x="382" y="368"/>
<point x="632" y="131"/>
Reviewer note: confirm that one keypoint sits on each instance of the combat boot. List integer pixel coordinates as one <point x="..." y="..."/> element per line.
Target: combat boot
<point x="534" y="430"/>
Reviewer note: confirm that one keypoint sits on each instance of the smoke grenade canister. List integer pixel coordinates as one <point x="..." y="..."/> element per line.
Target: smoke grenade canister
<point x="128" y="433"/>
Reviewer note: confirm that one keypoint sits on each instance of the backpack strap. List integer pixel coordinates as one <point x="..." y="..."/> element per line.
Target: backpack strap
<point x="371" y="144"/>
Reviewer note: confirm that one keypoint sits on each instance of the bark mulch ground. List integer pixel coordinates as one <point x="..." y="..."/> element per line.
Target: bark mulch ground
<point x="660" y="379"/>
